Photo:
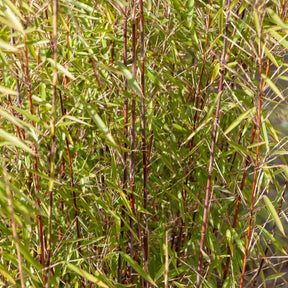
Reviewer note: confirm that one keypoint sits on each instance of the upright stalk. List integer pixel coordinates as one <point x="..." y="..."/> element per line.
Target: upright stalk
<point x="144" y="154"/>
<point x="53" y="148"/>
<point x="69" y="157"/>
<point x="19" y="134"/>
<point x="125" y="155"/>
<point x="212" y="154"/>
<point x="257" y="150"/>
<point x="133" y="138"/>
<point x="39" y="217"/>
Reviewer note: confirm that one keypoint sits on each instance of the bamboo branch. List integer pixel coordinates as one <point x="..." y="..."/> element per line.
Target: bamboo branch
<point x="257" y="152"/>
<point x="212" y="154"/>
<point x="53" y="146"/>
<point x="125" y="156"/>
<point x="144" y="154"/>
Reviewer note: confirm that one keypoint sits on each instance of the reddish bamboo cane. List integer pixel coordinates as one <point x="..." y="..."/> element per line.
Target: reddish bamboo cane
<point x="37" y="189"/>
<point x="125" y="155"/>
<point x="53" y="144"/>
<point x="212" y="154"/>
<point x="133" y="139"/>
<point x="144" y="154"/>
<point x="257" y="154"/>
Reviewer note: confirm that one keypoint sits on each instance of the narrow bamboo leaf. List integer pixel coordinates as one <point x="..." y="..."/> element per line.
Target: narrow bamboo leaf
<point x="131" y="81"/>
<point x="275" y="276"/>
<point x="272" y="130"/>
<point x="15" y="141"/>
<point x="237" y="239"/>
<point x="44" y="176"/>
<point x="179" y="285"/>
<point x="270" y="56"/>
<point x="138" y="269"/>
<point x="5" y="91"/>
<point x="199" y="128"/>
<point x="265" y="134"/>
<point x="6" y="274"/>
<point x="279" y="38"/>
<point x="13" y="20"/>
<point x="215" y="72"/>
<point x="97" y="279"/>
<point x="179" y="128"/>
<point x="273" y="86"/>
<point x="99" y="122"/>
<point x="256" y="21"/>
<point x="11" y="118"/>
<point x="29" y="115"/>
<point x="212" y="107"/>
<point x="6" y="46"/>
<point x="274" y="214"/>
<point x="277" y="19"/>
<point x="237" y="121"/>
<point x="82" y="5"/>
<point x="72" y="118"/>
<point x="29" y="257"/>
<point x="61" y="69"/>
<point x="13" y="8"/>
<point x="240" y="148"/>
<point x="155" y="78"/>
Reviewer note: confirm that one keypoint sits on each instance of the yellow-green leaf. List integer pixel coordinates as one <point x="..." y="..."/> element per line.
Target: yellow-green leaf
<point x="273" y="86"/>
<point x="237" y="121"/>
<point x="97" y="279"/>
<point x="15" y="141"/>
<point x="256" y="21"/>
<point x="131" y="81"/>
<point x="138" y="269"/>
<point x="279" y="38"/>
<point x="62" y="69"/>
<point x="99" y="122"/>
<point x="6" y="46"/>
<point x="277" y="19"/>
<point x="215" y="72"/>
<point x="5" y="91"/>
<point x="274" y="214"/>
<point x="6" y="274"/>
<point x="13" y="20"/>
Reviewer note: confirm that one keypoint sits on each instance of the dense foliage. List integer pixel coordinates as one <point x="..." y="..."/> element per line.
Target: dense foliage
<point x="143" y="149"/>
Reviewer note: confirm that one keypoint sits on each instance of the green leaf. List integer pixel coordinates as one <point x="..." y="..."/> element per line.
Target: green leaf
<point x="6" y="46"/>
<point x="279" y="38"/>
<point x="237" y="121"/>
<point x="62" y="69"/>
<point x="72" y="118"/>
<point x="4" y="90"/>
<point x="15" y="141"/>
<point x="277" y="19"/>
<point x="138" y="269"/>
<point x="7" y="274"/>
<point x="197" y="130"/>
<point x="99" y="122"/>
<point x="275" y="276"/>
<point x="273" y="86"/>
<point x="131" y="81"/>
<point x="29" y="257"/>
<point x="98" y="278"/>
<point x="256" y="21"/>
<point x="13" y="20"/>
<point x="215" y="72"/>
<point x="274" y="214"/>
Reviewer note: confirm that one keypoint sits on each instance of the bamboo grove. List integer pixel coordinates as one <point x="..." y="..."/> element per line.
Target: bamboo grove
<point x="143" y="143"/>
